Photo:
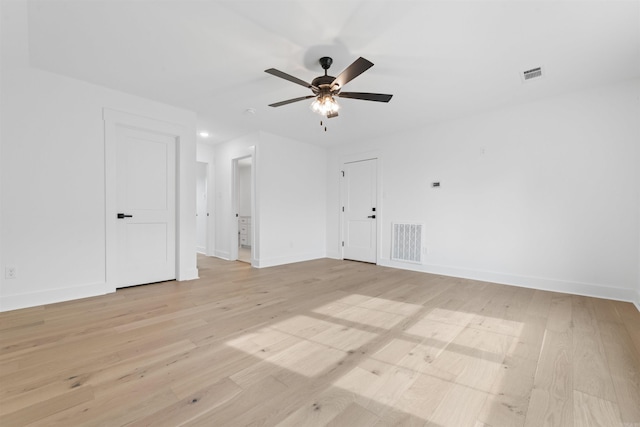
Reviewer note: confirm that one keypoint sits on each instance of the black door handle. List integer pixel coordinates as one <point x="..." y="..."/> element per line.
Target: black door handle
<point x="121" y="216"/>
<point x="371" y="216"/>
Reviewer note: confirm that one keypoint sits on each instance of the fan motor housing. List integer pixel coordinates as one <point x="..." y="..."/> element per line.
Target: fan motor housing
<point x="323" y="81"/>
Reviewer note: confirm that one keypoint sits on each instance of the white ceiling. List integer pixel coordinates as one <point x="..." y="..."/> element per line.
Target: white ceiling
<point x="440" y="60"/>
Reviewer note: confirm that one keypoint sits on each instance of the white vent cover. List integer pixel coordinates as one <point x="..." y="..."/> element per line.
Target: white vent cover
<point x="407" y="242"/>
<point x="534" y="73"/>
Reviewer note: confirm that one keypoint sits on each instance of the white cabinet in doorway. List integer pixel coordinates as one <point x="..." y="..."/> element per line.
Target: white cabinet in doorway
<point x="244" y="228"/>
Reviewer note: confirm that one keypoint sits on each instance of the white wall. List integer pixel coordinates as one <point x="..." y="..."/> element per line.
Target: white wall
<point x="53" y="177"/>
<point x="542" y="195"/>
<point x="289" y="221"/>
<point x="291" y="188"/>
<point x="637" y="296"/>
<point x="202" y="207"/>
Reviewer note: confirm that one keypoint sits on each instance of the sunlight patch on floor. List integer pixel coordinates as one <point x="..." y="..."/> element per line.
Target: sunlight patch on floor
<point x="302" y="344"/>
<point x="421" y="372"/>
<point x="370" y="311"/>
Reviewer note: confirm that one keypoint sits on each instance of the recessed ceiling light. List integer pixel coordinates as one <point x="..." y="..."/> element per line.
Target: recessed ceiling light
<point x="204" y="134"/>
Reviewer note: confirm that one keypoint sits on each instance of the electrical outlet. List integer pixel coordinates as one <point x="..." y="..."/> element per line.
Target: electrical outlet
<point x="10" y="273"/>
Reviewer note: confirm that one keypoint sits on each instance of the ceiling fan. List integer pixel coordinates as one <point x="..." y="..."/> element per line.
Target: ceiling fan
<point x="326" y="87"/>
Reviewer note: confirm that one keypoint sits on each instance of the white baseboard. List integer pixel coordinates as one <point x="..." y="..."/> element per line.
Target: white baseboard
<point x="190" y="274"/>
<point x="222" y="254"/>
<point x="334" y="255"/>
<point x="545" y="284"/>
<point x="51" y="296"/>
<point x="15" y="302"/>
<point x="272" y="262"/>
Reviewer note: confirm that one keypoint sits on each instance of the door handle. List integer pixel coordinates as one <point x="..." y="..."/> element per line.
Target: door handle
<point x="121" y="216"/>
<point x="371" y="216"/>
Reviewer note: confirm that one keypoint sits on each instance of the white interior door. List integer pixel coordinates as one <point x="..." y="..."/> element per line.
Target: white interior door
<point x="146" y="206"/>
<point x="201" y="207"/>
<point x="359" y="217"/>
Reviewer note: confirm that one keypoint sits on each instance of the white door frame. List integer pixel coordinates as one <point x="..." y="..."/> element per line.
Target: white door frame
<point x="113" y="119"/>
<point x="211" y="206"/>
<point x="360" y="157"/>
<point x="233" y="253"/>
<point x="206" y="219"/>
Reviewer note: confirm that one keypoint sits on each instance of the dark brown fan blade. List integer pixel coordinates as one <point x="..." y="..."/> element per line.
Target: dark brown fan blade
<point x="332" y="115"/>
<point x="380" y="97"/>
<point x="358" y="67"/>
<point x="289" y="77"/>
<point x="289" y="101"/>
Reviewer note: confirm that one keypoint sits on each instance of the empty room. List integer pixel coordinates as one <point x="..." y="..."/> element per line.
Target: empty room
<point x="319" y="213"/>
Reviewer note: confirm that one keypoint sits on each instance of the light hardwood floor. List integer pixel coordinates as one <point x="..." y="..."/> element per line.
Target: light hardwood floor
<point x="323" y="342"/>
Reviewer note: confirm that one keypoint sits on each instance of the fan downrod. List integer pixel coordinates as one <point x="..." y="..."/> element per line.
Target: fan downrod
<point x="323" y="82"/>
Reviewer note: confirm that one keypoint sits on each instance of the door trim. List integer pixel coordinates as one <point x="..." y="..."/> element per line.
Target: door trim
<point x="354" y="158"/>
<point x="233" y="253"/>
<point x="113" y="119"/>
<point x="207" y="211"/>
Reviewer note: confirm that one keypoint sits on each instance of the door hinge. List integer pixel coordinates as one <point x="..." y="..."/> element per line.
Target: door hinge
<point x="342" y="173"/>
<point x="343" y="209"/>
<point x="343" y="244"/>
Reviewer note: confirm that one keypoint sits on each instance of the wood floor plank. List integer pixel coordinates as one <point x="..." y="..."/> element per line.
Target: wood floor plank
<point x="323" y="342"/>
<point x="592" y="411"/>
<point x="631" y="319"/>
<point x="329" y="405"/>
<point x="528" y="342"/>
<point x="194" y="406"/>
<point x="120" y="409"/>
<point x="419" y="402"/>
<point x="251" y="405"/>
<point x="448" y="412"/>
<point x="27" y="381"/>
<point x="540" y="304"/>
<point x="48" y="407"/>
<point x="552" y="396"/>
<point x="606" y="310"/>
<point x="547" y="410"/>
<point x="353" y="415"/>
<point x="590" y="373"/>
<point x="624" y="366"/>
<point x="510" y="393"/>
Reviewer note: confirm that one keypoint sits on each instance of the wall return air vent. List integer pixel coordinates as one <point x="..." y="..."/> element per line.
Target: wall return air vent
<point x="532" y="74"/>
<point x="406" y="242"/>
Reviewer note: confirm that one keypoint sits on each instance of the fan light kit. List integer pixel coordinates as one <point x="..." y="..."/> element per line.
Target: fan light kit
<point x="325" y="105"/>
<point x="326" y="88"/>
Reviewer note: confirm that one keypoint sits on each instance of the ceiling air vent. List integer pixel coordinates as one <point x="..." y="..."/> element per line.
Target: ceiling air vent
<point x="532" y="74"/>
